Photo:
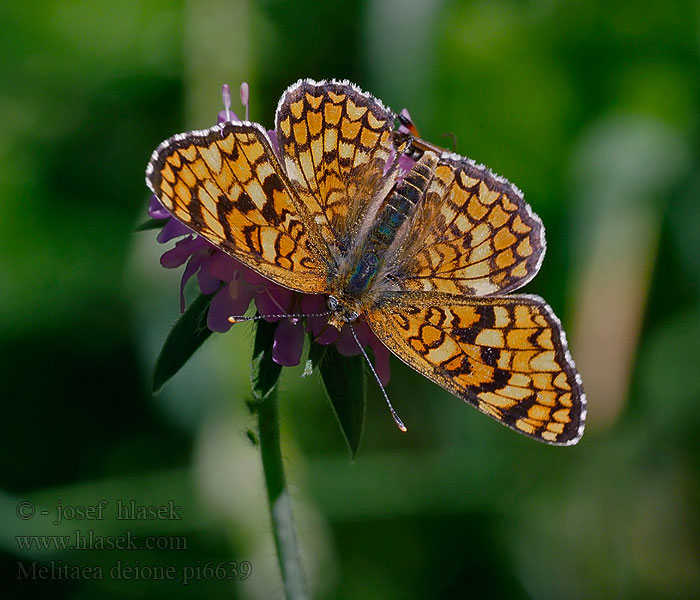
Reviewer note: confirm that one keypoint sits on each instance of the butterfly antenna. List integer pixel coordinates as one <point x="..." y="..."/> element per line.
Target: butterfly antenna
<point x="397" y="419"/>
<point x="243" y="318"/>
<point x="226" y="97"/>
<point x="245" y="98"/>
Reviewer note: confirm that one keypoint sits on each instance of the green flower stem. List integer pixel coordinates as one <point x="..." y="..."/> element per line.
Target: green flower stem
<point x="279" y="500"/>
<point x="265" y="375"/>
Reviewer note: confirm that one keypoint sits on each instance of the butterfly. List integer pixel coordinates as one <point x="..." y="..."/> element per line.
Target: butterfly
<point x="426" y="257"/>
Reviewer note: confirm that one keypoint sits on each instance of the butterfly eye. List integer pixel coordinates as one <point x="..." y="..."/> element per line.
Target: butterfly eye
<point x="351" y="316"/>
<point x="332" y="303"/>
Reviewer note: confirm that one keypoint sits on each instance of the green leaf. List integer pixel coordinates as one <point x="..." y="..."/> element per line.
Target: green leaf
<point x="264" y="371"/>
<point x="344" y="382"/>
<point x="151" y="224"/>
<point x="184" y="339"/>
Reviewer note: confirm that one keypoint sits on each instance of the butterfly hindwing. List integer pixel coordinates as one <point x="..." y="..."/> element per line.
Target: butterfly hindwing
<point x="473" y="234"/>
<point x="506" y="355"/>
<point x="226" y="184"/>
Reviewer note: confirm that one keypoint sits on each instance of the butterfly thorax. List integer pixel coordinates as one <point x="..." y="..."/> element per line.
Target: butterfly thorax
<point x="355" y="285"/>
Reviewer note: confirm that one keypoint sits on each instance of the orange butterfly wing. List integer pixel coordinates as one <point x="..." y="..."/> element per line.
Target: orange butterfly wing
<point x="335" y="141"/>
<point x="226" y="184"/>
<point x="473" y="234"/>
<point x="506" y="355"/>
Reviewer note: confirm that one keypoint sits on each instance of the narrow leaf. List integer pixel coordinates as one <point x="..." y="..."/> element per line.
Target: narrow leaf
<point x="151" y="224"/>
<point x="264" y="371"/>
<point x="185" y="338"/>
<point x="344" y="382"/>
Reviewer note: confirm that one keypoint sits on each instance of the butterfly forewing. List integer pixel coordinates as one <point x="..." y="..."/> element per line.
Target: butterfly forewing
<point x="335" y="140"/>
<point x="226" y="184"/>
<point x="506" y="355"/>
<point x="474" y="234"/>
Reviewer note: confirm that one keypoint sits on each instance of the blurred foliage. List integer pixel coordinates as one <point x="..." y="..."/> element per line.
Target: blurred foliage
<point x="590" y="107"/>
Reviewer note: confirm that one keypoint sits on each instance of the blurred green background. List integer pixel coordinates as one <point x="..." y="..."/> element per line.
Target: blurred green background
<point x="590" y="107"/>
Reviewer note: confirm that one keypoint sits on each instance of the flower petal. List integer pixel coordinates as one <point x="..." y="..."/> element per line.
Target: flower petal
<point x="231" y="300"/>
<point x="381" y="359"/>
<point x="222" y="117"/>
<point x="273" y="300"/>
<point x="254" y="278"/>
<point x="156" y="209"/>
<point x="288" y="342"/>
<point x="192" y="267"/>
<point x="222" y="266"/>
<point x="346" y="344"/>
<point x="272" y="134"/>
<point x="216" y="268"/>
<point x="313" y="304"/>
<point x="327" y="335"/>
<point x="405" y="164"/>
<point x="207" y="283"/>
<point x="171" y="230"/>
<point x="178" y="256"/>
<point x="362" y="331"/>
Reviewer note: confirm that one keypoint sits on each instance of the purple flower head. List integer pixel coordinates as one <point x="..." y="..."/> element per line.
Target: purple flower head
<point x="233" y="286"/>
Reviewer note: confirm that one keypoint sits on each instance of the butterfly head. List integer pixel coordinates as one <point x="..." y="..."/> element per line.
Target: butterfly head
<point x="342" y="312"/>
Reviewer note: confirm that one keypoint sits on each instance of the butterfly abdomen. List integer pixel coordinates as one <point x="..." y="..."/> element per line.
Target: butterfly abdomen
<point x="401" y="202"/>
<point x="399" y="205"/>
